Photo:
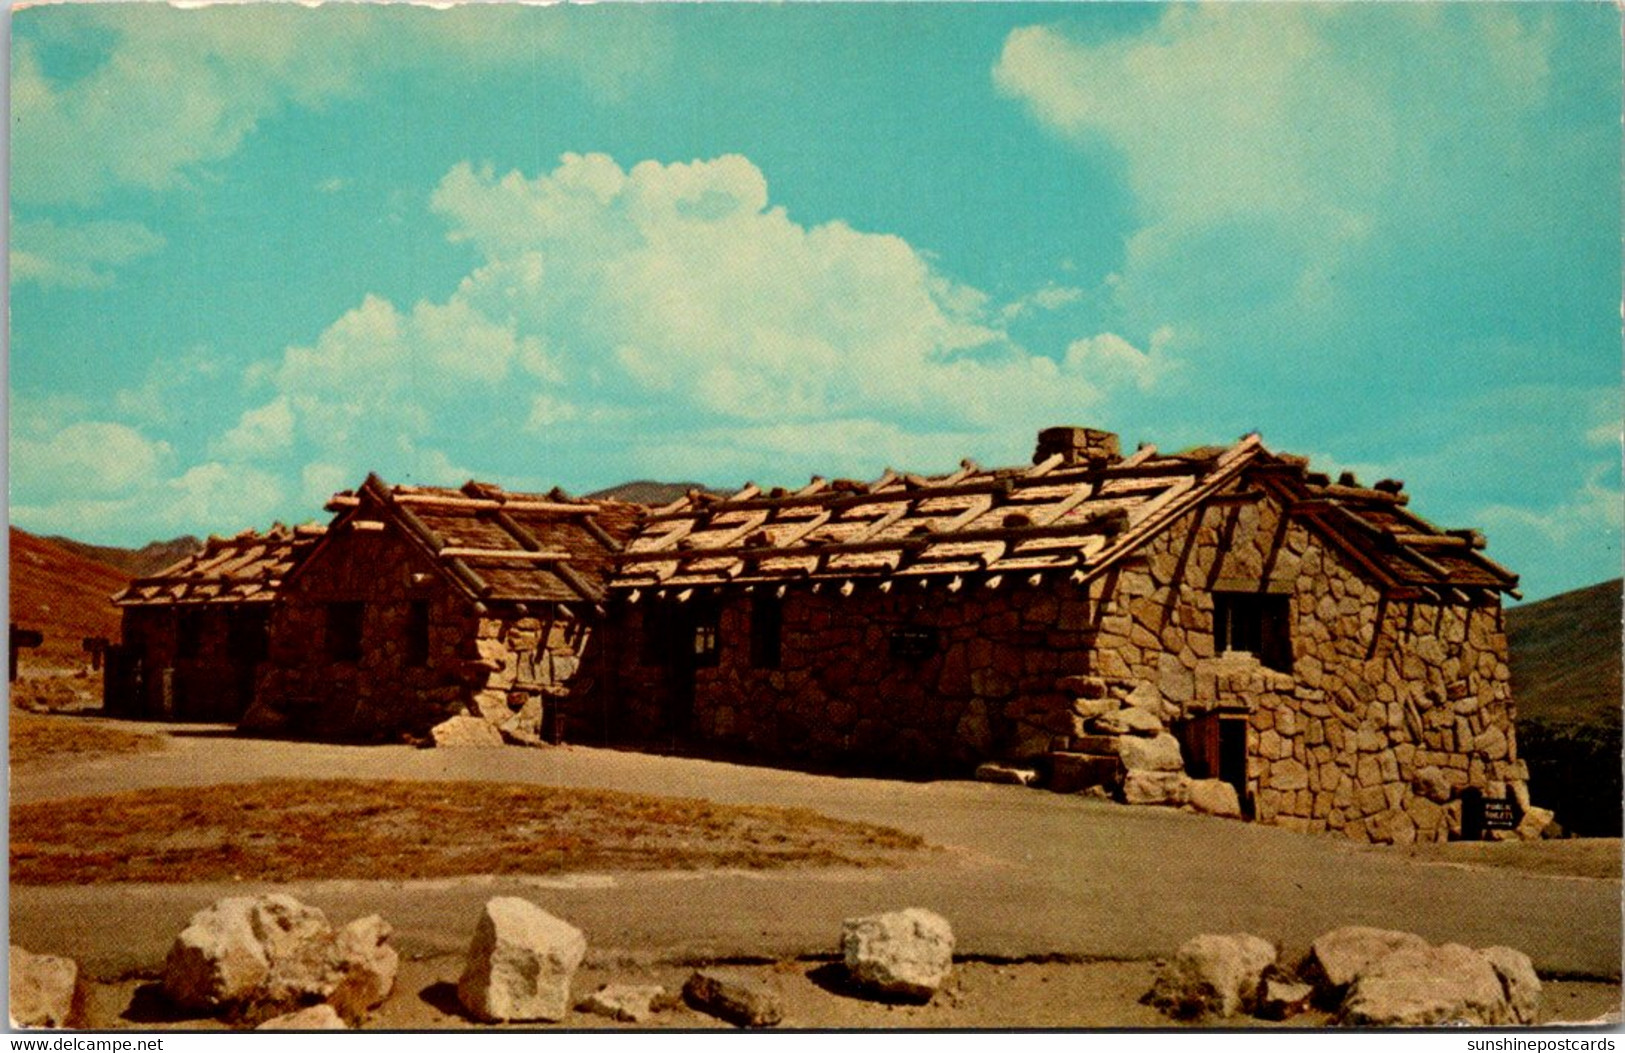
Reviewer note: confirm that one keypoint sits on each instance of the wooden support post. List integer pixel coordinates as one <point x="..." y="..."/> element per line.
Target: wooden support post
<point x="22" y="638"/>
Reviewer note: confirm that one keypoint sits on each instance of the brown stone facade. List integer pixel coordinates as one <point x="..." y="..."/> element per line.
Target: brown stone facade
<point x="1352" y="712"/>
<point x="187" y="661"/>
<point x="371" y="642"/>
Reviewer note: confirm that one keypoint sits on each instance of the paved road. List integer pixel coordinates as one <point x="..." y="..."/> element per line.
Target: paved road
<point x="1024" y="873"/>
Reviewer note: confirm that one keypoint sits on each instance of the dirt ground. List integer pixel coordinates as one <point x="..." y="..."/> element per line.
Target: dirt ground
<point x="1061" y="905"/>
<point x="1021" y="995"/>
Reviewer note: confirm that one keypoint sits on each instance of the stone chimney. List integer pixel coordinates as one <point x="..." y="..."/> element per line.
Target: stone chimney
<point x="1078" y="446"/>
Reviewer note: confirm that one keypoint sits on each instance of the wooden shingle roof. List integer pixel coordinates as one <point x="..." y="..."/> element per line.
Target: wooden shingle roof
<point x="496" y="546"/>
<point x="1050" y="516"/>
<point x="247" y="568"/>
<point x="1062" y="515"/>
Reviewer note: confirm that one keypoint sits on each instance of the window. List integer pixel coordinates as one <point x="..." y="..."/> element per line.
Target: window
<point x="655" y="645"/>
<point x="417" y="633"/>
<point x="246" y="636"/>
<point x="707" y="636"/>
<point x="188" y="634"/>
<point x="766" y="630"/>
<point x="1256" y="623"/>
<point x="344" y="631"/>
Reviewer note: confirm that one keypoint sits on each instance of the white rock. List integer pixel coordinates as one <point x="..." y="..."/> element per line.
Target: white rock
<point x="312" y="1018"/>
<point x="1150" y="754"/>
<point x="1282" y="999"/>
<point x="1337" y="957"/>
<point x="1518" y="981"/>
<point x="365" y="965"/>
<point x="217" y="959"/>
<point x="274" y="954"/>
<point x="632" y="1003"/>
<point x="906" y="952"/>
<point x="1170" y="788"/>
<point x="466" y="731"/>
<point x="520" y="963"/>
<point x="1215" y="797"/>
<point x="1094" y="708"/>
<point x="1424" y="986"/>
<point x="42" y="989"/>
<point x="1213" y="975"/>
<point x="1534" y="822"/>
<point x="1130" y="720"/>
<point x="993" y="771"/>
<point x="734" y="997"/>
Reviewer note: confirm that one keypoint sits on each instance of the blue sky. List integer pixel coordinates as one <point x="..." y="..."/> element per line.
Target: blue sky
<point x="257" y="252"/>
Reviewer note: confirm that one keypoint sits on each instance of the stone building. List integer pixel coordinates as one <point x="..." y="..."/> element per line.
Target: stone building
<point x="421" y="603"/>
<point x="1137" y="622"/>
<point x="194" y="634"/>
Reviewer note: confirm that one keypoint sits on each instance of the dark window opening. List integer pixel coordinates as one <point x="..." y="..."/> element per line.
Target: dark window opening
<point x="766" y="632"/>
<point x="188" y="634"/>
<point x="344" y="631"/>
<point x="1257" y="623"/>
<point x="417" y="633"/>
<point x="655" y="646"/>
<point x="707" y="636"/>
<point x="246" y="636"/>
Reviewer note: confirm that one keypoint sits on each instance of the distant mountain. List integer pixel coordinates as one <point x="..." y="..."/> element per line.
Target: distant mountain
<point x="1566" y="656"/>
<point x="138" y="562"/>
<point x="64" y="595"/>
<point x="648" y="492"/>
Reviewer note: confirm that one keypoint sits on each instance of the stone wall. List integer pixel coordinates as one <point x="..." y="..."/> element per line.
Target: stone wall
<point x="1382" y="714"/>
<point x="1390" y="708"/>
<point x="503" y="664"/>
<point x="840" y="694"/>
<point x="209" y="684"/>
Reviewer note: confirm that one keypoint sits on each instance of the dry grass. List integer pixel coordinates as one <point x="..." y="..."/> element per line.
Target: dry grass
<point x="289" y="830"/>
<point x="36" y="739"/>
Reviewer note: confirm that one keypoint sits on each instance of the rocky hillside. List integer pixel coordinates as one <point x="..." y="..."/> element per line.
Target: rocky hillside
<point x="1566" y="681"/>
<point x="1566" y="655"/>
<point x="63" y="594"/>
<point x="136" y="562"/>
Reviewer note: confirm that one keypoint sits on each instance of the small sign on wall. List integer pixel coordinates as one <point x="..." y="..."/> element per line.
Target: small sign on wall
<point x="1499" y="815"/>
<point x="913" y="643"/>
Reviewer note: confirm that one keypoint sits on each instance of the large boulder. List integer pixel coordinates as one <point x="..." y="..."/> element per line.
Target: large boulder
<point x="466" y="731"/>
<point x="1215" y="797"/>
<point x="260" y="956"/>
<point x="906" y="952"/>
<point x="1518" y="981"/>
<point x="42" y="989"/>
<point x="520" y="963"/>
<point x="1426" y="986"/>
<point x="1158" y="753"/>
<point x="1213" y="975"/>
<point x="1168" y="788"/>
<point x="1337" y="957"/>
<point x="219" y="960"/>
<point x="733" y="997"/>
